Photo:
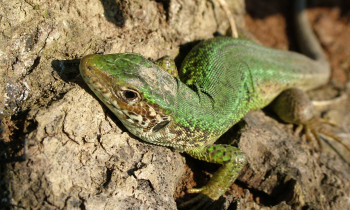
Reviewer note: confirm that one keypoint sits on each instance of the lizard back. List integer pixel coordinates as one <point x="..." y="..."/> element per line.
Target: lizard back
<point x="238" y="73"/>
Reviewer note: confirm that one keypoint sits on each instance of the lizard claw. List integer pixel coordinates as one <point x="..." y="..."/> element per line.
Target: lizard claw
<point x="204" y="190"/>
<point x="314" y="128"/>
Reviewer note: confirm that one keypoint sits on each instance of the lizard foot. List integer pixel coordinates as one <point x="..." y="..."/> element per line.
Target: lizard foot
<point x="294" y="106"/>
<point x="232" y="161"/>
<point x="201" y="201"/>
<point x="314" y="128"/>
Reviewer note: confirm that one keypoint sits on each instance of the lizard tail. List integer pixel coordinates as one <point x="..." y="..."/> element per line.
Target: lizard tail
<point x="307" y="41"/>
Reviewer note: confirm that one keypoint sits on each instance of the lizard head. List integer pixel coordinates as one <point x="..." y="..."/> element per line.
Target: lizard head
<point x="138" y="92"/>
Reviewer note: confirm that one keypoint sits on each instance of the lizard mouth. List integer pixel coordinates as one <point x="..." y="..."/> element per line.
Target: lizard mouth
<point x="97" y="80"/>
<point x="93" y="76"/>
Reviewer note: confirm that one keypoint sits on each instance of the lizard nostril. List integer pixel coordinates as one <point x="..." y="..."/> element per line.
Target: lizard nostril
<point x="90" y="68"/>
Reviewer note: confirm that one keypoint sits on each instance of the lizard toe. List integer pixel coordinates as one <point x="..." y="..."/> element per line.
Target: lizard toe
<point x="314" y="128"/>
<point x="202" y="201"/>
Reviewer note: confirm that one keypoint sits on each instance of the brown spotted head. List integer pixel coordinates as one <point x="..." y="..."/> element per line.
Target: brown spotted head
<point x="137" y="91"/>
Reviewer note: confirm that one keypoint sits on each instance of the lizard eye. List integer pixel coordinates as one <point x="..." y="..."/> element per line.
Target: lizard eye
<point x="130" y="95"/>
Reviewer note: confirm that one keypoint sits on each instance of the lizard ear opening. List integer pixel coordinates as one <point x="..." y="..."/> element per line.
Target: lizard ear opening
<point x="160" y="125"/>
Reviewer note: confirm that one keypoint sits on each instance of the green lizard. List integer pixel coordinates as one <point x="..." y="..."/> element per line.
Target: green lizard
<point x="221" y="79"/>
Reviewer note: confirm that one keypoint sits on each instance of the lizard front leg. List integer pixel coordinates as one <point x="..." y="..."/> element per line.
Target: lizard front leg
<point x="232" y="161"/>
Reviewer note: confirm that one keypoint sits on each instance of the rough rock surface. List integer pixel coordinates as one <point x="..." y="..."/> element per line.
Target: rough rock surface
<point x="61" y="148"/>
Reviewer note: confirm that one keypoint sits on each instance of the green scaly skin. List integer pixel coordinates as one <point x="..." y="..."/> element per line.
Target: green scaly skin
<point x="221" y="79"/>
